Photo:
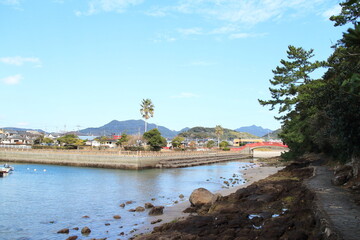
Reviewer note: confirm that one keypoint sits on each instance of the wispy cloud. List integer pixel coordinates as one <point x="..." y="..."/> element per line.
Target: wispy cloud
<point x="248" y="12"/>
<point x="185" y="95"/>
<point x="191" y="31"/>
<point x="96" y="6"/>
<point x="19" y="61"/>
<point x="161" y="37"/>
<point x="332" y="11"/>
<point x="245" y="35"/>
<point x="10" y="2"/>
<point x="12" y="80"/>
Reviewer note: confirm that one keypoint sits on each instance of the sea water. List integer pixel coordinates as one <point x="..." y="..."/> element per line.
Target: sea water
<point x="36" y="201"/>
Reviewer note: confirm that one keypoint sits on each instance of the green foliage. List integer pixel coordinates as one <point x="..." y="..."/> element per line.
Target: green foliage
<point x="70" y="139"/>
<point x="322" y="115"/>
<point x="206" y="133"/>
<point x="226" y="149"/>
<point x="154" y="139"/>
<point x="350" y="12"/>
<point x="147" y="109"/>
<point x="176" y="142"/>
<point x="48" y="140"/>
<point x="288" y="78"/>
<point x="123" y="140"/>
<point x="210" y="144"/>
<point x="223" y="144"/>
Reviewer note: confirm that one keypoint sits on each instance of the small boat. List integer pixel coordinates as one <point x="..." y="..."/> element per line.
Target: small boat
<point x="5" y="170"/>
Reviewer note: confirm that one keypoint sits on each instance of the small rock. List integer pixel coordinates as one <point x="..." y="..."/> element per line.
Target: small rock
<point x="85" y="216"/>
<point x="129" y="202"/>
<point x="156" y="221"/>
<point x="122" y="205"/>
<point x="181" y="196"/>
<point x="176" y="202"/>
<point x="149" y="205"/>
<point x="107" y="224"/>
<point x="64" y="230"/>
<point x="85" y="231"/>
<point x="52" y="222"/>
<point x="132" y="210"/>
<point x="156" y="210"/>
<point x="153" y="199"/>
<point x="72" y="238"/>
<point x="140" y="209"/>
<point x="121" y="234"/>
<point x="75" y="228"/>
<point x="117" y="217"/>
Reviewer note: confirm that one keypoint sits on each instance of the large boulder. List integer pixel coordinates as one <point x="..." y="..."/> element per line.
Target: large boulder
<point x="85" y="231"/>
<point x="202" y="196"/>
<point x="342" y="175"/>
<point x="156" y="210"/>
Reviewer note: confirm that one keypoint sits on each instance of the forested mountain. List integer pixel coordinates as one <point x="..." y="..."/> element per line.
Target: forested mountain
<point x="254" y="130"/>
<point x="202" y="133"/>
<point x="130" y="127"/>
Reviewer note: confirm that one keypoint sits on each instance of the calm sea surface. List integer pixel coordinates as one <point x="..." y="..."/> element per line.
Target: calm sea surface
<point x="36" y="201"/>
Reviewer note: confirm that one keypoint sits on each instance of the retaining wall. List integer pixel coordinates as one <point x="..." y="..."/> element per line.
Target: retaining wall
<point x="105" y="160"/>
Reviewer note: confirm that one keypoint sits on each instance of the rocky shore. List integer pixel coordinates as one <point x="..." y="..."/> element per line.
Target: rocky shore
<point x="278" y="207"/>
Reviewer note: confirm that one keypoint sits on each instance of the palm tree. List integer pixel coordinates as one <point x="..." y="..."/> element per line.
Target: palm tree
<point x="147" y="110"/>
<point x="219" y="131"/>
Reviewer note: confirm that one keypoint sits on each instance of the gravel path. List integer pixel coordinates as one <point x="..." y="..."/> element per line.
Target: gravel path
<point x="336" y="204"/>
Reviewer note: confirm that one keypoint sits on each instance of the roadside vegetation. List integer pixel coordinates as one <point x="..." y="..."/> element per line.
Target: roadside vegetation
<point x="321" y="115"/>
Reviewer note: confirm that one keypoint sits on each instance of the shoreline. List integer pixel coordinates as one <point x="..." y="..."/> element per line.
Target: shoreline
<point x="175" y="212"/>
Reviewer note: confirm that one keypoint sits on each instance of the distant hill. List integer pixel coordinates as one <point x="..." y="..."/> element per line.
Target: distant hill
<point x="23" y="129"/>
<point x="255" y="130"/>
<point x="273" y="135"/>
<point x="130" y="127"/>
<point x="203" y="133"/>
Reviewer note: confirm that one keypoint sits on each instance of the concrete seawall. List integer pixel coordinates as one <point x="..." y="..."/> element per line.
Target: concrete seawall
<point x="119" y="161"/>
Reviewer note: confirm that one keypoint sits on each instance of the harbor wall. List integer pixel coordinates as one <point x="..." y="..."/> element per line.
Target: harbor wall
<point x="118" y="161"/>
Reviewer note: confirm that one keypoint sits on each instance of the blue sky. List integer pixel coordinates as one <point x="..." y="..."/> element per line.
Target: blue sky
<point x="83" y="63"/>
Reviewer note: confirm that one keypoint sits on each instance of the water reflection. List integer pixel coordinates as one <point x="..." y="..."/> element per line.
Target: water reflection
<point x="36" y="204"/>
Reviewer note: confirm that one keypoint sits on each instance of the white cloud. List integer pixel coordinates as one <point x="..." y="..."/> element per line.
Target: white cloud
<point x="96" y="6"/>
<point x="19" y="61"/>
<point x="332" y="11"/>
<point x="161" y="37"/>
<point x="245" y="35"/>
<point x="185" y="95"/>
<point x="12" y="80"/>
<point x="190" y="31"/>
<point x="10" y="2"/>
<point x="247" y="12"/>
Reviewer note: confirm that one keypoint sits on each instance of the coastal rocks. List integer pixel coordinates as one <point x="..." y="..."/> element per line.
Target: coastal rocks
<point x="149" y="205"/>
<point x="85" y="216"/>
<point x="156" y="221"/>
<point x="181" y="196"/>
<point x="63" y="231"/>
<point x="122" y="205"/>
<point x="117" y="217"/>
<point x="72" y="238"/>
<point x="139" y="209"/>
<point x="129" y="202"/>
<point x="85" y="231"/>
<point x="156" y="210"/>
<point x="202" y="196"/>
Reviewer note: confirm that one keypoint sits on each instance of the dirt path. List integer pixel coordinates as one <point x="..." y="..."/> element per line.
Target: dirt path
<point x="336" y="204"/>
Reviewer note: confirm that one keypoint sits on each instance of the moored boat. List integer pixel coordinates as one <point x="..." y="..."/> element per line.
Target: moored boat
<point x="5" y="170"/>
